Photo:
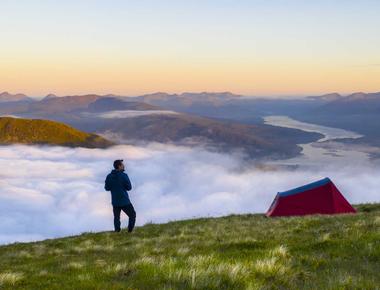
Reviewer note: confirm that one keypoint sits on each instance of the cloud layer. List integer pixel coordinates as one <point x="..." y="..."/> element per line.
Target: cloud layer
<point x="48" y="192"/>
<point x="128" y="113"/>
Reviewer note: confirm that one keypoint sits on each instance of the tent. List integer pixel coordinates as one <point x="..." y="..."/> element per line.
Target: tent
<point x="320" y="197"/>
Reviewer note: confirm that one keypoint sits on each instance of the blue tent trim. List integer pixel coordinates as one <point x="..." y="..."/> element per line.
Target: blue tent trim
<point x="305" y="187"/>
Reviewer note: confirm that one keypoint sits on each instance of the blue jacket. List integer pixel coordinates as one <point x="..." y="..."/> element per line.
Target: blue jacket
<point x="118" y="183"/>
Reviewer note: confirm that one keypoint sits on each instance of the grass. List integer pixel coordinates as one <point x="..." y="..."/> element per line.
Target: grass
<point x="232" y="252"/>
<point x="38" y="131"/>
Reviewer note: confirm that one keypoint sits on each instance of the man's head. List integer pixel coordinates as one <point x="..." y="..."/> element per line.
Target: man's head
<point x="118" y="165"/>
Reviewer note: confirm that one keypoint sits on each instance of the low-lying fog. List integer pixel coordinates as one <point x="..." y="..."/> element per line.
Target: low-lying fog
<point x="121" y="114"/>
<point x="48" y="192"/>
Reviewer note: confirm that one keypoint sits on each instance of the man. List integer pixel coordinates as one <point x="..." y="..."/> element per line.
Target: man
<point x="118" y="183"/>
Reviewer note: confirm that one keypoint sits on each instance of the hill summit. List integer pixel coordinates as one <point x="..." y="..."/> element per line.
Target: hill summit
<point x="38" y="131"/>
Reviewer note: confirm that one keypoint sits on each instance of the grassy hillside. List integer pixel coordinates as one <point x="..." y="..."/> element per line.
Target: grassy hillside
<point x="36" y="131"/>
<point x="232" y="252"/>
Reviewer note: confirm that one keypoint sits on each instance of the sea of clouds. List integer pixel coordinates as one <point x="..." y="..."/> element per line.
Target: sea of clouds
<point x="122" y="114"/>
<point x="48" y="192"/>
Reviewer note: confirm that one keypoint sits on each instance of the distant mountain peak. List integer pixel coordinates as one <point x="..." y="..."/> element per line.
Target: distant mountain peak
<point x="3" y="94"/>
<point x="211" y="94"/>
<point x="328" y="97"/>
<point x="161" y="93"/>
<point x="357" y="96"/>
<point x="50" y="96"/>
<point x="332" y="95"/>
<point x="7" y="97"/>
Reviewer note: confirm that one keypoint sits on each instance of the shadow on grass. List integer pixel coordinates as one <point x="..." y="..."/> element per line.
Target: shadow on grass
<point x="232" y="248"/>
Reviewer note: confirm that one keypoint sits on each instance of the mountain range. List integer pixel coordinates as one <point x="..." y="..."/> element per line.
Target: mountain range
<point x="140" y="119"/>
<point x="357" y="103"/>
<point x="223" y="120"/>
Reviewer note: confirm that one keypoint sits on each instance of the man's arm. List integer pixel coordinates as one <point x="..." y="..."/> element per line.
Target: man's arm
<point x="127" y="182"/>
<point x="106" y="184"/>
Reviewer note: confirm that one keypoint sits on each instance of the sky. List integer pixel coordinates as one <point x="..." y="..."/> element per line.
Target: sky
<point x="48" y="192"/>
<point x="263" y="48"/>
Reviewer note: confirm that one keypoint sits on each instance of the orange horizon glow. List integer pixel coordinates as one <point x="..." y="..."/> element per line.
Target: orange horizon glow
<point x="246" y="47"/>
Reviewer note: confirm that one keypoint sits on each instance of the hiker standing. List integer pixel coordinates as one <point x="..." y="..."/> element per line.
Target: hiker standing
<point x="118" y="183"/>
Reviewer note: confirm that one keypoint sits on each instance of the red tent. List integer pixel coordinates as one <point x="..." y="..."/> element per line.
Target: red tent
<point x="320" y="197"/>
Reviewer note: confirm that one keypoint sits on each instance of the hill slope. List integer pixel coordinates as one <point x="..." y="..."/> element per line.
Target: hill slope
<point x="232" y="252"/>
<point x="36" y="131"/>
<point x="185" y="129"/>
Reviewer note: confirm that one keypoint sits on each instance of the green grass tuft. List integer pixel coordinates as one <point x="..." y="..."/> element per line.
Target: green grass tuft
<point x="233" y="252"/>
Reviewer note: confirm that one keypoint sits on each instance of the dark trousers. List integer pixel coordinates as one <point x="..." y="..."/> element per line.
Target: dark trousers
<point x="129" y="211"/>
